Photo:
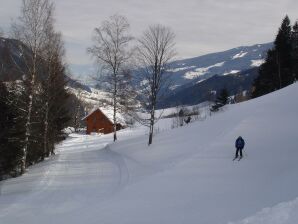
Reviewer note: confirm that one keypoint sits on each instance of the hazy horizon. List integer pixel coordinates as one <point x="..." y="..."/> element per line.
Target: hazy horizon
<point x="201" y="27"/>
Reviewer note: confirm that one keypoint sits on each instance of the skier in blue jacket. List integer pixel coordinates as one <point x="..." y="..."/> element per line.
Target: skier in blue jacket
<point x="239" y="144"/>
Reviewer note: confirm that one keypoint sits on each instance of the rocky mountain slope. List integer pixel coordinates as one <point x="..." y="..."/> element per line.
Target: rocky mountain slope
<point x="12" y="63"/>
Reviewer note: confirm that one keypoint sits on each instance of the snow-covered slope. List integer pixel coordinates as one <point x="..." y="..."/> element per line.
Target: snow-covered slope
<point x="220" y="63"/>
<point x="92" y="97"/>
<point x="186" y="176"/>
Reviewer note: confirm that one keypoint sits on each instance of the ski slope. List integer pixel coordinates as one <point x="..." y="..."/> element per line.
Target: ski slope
<point x="186" y="176"/>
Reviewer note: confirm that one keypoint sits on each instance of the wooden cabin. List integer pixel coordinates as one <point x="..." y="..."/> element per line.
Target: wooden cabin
<point x="97" y="121"/>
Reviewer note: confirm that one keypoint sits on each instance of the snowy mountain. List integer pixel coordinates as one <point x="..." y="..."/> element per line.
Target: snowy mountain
<point x="90" y="97"/>
<point x="193" y="70"/>
<point x="221" y="63"/>
<point x="11" y="59"/>
<point x="186" y="76"/>
<point x="189" y="74"/>
<point x="84" y="74"/>
<point x="195" y="93"/>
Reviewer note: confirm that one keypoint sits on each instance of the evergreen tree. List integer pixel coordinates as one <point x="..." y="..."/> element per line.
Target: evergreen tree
<point x="221" y="100"/>
<point x="5" y="122"/>
<point x="11" y="133"/>
<point x="223" y="97"/>
<point x="267" y="81"/>
<point x="295" y="50"/>
<point x="279" y="68"/>
<point x="35" y="147"/>
<point x="283" y="49"/>
<point x="59" y="116"/>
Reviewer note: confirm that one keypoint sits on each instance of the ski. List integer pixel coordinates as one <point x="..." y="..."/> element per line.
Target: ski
<point x="240" y="158"/>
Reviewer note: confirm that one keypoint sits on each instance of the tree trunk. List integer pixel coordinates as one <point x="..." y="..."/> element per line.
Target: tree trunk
<point x="115" y="107"/>
<point x="150" y="137"/>
<point x="77" y="117"/>
<point x="27" y="136"/>
<point x="28" y="118"/>
<point x="152" y="117"/>
<point x="279" y="70"/>
<point x="46" y="128"/>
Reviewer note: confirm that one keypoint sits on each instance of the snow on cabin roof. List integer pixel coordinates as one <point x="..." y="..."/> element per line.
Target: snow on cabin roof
<point x="108" y="112"/>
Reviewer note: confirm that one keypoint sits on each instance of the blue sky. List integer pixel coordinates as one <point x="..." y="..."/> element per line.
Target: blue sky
<point x="201" y="26"/>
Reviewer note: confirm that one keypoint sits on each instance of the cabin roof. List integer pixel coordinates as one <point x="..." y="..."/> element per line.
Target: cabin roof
<point x="108" y="112"/>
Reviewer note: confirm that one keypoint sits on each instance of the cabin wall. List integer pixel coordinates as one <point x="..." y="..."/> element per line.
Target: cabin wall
<point x="97" y="121"/>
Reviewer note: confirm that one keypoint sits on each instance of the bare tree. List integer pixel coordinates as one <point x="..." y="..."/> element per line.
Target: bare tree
<point x="155" y="50"/>
<point x="78" y="110"/>
<point x="196" y="112"/>
<point x="31" y="30"/>
<point x="111" y="50"/>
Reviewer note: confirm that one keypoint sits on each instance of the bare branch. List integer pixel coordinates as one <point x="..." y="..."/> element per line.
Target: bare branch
<point x="111" y="51"/>
<point x="154" y="52"/>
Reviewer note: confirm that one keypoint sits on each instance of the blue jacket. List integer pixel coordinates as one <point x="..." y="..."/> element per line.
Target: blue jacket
<point x="239" y="143"/>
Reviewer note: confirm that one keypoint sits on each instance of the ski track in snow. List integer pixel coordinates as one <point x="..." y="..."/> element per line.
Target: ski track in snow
<point x="81" y="170"/>
<point x="186" y="176"/>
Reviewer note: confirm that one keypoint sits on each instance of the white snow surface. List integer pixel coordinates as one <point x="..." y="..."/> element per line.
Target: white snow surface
<point x="201" y="71"/>
<point x="239" y="55"/>
<point x="285" y="213"/>
<point x="186" y="176"/>
<point x="90" y="97"/>
<point x="170" y="111"/>
<point x="202" y="80"/>
<point x="173" y="87"/>
<point x="231" y="72"/>
<point x="257" y="63"/>
<point x="181" y="69"/>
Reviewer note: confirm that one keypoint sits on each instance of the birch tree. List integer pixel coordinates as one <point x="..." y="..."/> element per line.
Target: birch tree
<point x="78" y="110"/>
<point x="30" y="29"/>
<point x="154" y="52"/>
<point x="111" y="51"/>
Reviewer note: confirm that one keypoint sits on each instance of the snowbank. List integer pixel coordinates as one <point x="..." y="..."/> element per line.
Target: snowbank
<point x="285" y="213"/>
<point x="186" y="176"/>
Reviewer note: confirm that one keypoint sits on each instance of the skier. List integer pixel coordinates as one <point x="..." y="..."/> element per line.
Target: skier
<point x="239" y="144"/>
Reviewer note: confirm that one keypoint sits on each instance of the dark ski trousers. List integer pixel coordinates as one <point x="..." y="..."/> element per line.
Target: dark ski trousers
<point x="237" y="152"/>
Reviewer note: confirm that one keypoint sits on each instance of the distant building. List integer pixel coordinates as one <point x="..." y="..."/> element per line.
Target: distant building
<point x="101" y="121"/>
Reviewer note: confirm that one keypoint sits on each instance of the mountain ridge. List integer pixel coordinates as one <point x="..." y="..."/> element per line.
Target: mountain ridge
<point x="12" y="62"/>
<point x="188" y="75"/>
<point x="221" y="63"/>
